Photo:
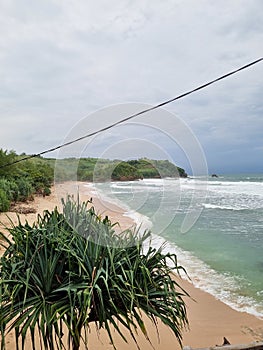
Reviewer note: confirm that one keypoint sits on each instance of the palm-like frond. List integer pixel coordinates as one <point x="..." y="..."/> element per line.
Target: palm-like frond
<point x="70" y="269"/>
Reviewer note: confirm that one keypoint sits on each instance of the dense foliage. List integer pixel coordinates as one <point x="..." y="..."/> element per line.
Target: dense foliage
<point x="70" y="269"/>
<point x="150" y="168"/>
<point x="18" y="182"/>
<point x="98" y="170"/>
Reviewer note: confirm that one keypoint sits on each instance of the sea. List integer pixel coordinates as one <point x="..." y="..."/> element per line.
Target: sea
<point x="213" y="225"/>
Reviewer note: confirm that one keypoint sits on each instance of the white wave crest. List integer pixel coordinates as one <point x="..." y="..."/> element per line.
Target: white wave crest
<point x="223" y="287"/>
<point x="223" y="207"/>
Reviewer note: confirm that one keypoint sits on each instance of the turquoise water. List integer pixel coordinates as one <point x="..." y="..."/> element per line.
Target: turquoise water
<point x="223" y="250"/>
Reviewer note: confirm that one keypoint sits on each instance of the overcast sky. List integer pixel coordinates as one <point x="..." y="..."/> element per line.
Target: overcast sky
<point x="61" y="61"/>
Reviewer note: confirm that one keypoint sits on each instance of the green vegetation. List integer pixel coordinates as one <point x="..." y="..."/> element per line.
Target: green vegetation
<point x="124" y="171"/>
<point x="98" y="170"/>
<point x="20" y="181"/>
<point x="70" y="269"/>
<point x="149" y="168"/>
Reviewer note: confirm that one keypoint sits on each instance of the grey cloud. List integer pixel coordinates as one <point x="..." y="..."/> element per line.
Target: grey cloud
<point x="25" y="10"/>
<point x="60" y="61"/>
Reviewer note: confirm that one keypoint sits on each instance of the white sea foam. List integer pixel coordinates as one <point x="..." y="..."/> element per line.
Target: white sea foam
<point x="105" y="197"/>
<point x="92" y="189"/>
<point x="230" y="195"/>
<point x="221" y="195"/>
<point x="223" y="287"/>
<point x="242" y="187"/>
<point x="141" y="221"/>
<point x="233" y="202"/>
<point x="137" y="186"/>
<point x="120" y="192"/>
<point x="223" y="207"/>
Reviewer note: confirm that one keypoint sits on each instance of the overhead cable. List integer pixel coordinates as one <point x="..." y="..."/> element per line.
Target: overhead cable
<point x="135" y="115"/>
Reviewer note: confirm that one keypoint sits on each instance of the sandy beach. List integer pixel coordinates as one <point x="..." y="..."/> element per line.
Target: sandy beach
<point x="210" y="320"/>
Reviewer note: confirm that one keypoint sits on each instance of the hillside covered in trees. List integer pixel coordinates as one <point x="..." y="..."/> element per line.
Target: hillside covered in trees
<point x="22" y="180"/>
<point x="99" y="170"/>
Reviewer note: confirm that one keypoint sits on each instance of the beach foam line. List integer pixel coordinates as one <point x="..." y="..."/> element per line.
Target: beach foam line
<point x="93" y="189"/>
<point x="141" y="221"/>
<point x="225" y="288"/>
<point x="222" y="207"/>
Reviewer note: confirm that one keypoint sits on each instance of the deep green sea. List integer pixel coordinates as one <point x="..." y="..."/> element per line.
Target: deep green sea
<point x="223" y="249"/>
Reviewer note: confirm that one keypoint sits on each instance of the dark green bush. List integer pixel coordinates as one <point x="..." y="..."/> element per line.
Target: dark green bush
<point x="4" y="201"/>
<point x="10" y="188"/>
<point x="124" y="170"/>
<point x="46" y="191"/>
<point x="19" y="181"/>
<point x="25" y="189"/>
<point x="7" y="158"/>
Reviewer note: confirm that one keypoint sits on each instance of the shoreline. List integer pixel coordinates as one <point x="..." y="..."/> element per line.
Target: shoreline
<point x="210" y="319"/>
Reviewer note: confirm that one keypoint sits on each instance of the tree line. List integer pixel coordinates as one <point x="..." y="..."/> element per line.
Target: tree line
<point x="19" y="182"/>
<point x="100" y="170"/>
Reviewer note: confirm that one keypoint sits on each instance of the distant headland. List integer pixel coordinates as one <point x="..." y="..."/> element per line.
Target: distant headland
<point x="100" y="170"/>
<point x="22" y="176"/>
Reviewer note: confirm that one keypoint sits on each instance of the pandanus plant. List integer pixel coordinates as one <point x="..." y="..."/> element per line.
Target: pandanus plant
<point x="72" y="268"/>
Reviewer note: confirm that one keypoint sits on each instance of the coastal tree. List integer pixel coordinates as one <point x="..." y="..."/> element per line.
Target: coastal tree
<point x="70" y="269"/>
<point x="7" y="157"/>
<point x="20" y="181"/>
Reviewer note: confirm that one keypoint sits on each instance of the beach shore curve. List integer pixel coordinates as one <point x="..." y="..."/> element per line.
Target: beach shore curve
<point x="210" y="319"/>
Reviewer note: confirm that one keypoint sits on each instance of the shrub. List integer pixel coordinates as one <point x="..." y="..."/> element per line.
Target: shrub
<point x="25" y="189"/>
<point x="10" y="188"/>
<point x="7" y="158"/>
<point x="70" y="269"/>
<point x="125" y="171"/>
<point x="4" y="201"/>
<point x="46" y="191"/>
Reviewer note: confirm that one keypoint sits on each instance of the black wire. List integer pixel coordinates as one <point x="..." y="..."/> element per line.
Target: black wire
<point x="134" y="115"/>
